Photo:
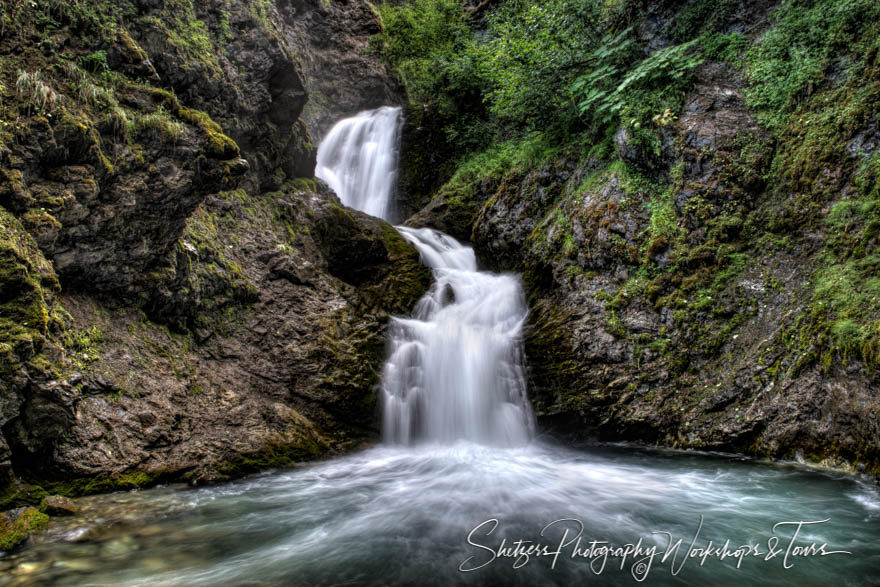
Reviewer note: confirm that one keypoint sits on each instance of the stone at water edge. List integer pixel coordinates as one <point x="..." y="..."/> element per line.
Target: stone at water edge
<point x="16" y="526"/>
<point x="57" y="505"/>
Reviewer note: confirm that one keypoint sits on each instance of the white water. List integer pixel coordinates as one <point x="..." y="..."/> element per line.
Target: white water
<point x="454" y="370"/>
<point x="358" y="159"/>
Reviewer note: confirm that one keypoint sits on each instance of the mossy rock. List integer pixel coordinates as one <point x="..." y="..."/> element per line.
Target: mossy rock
<point x="27" y="288"/>
<point x="15" y="530"/>
<point x="104" y="484"/>
<point x="274" y="456"/>
<point x="20" y="494"/>
<point x="219" y="145"/>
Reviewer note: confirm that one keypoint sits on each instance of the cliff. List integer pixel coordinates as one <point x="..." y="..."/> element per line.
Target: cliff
<point x="701" y="269"/>
<point x="178" y="297"/>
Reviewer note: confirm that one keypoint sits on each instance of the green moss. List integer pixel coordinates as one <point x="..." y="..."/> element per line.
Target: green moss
<point x="85" y="345"/>
<point x="103" y="484"/>
<point x="615" y="326"/>
<point x="20" y="494"/>
<point x="161" y="123"/>
<point x="792" y="59"/>
<point x="305" y="184"/>
<point x="27" y="289"/>
<point x="279" y="455"/>
<point x="28" y="522"/>
<point x="219" y="145"/>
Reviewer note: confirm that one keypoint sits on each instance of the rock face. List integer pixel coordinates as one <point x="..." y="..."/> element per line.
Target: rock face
<point x="333" y="41"/>
<point x="17" y="525"/>
<point x="178" y="296"/>
<point x="669" y="290"/>
<point x="57" y="505"/>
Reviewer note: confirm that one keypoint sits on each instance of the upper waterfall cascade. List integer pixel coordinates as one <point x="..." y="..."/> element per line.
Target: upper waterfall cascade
<point x="358" y="159"/>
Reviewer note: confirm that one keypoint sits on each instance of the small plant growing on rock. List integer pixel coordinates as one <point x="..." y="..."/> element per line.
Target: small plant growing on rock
<point x="38" y="93"/>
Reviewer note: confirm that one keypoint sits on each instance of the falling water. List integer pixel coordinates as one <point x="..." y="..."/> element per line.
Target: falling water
<point x="358" y="159"/>
<point x="454" y="370"/>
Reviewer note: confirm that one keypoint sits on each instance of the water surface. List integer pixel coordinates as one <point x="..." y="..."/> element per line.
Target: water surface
<point x="402" y="515"/>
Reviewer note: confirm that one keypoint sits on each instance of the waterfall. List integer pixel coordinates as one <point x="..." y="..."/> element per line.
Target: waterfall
<point x="358" y="159"/>
<point x="455" y="368"/>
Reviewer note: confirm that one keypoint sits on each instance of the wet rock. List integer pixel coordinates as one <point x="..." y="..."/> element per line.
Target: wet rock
<point x="341" y="75"/>
<point x="158" y="241"/>
<point x="17" y="526"/>
<point x="57" y="505"/>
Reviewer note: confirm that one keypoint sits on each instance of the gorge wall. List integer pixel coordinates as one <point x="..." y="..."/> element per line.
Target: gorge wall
<point x="702" y="293"/>
<point x="178" y="297"/>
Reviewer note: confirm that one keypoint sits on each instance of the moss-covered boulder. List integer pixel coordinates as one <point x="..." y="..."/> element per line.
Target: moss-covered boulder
<point x="16" y="526"/>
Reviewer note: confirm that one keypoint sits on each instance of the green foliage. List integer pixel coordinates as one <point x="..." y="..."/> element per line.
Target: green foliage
<point x="422" y="40"/>
<point x="699" y="16"/>
<point x="532" y="54"/>
<point x="161" y="123"/>
<point x="95" y="62"/>
<point x="81" y="15"/>
<point x="506" y="80"/>
<point x="729" y="48"/>
<point x="84" y="345"/>
<point x="616" y="87"/>
<point x="431" y="47"/>
<point x="846" y="289"/>
<point x="806" y="39"/>
<point x="496" y="161"/>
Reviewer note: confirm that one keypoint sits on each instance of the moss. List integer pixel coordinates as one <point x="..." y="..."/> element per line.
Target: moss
<point x="160" y="123"/>
<point x="615" y="326"/>
<point x="20" y="494"/>
<point x="304" y="184"/>
<point x="282" y="454"/>
<point x="27" y="289"/>
<point x="104" y="484"/>
<point x="85" y="345"/>
<point x="406" y="281"/>
<point x="219" y="145"/>
<point x="28" y="522"/>
<point x="135" y="53"/>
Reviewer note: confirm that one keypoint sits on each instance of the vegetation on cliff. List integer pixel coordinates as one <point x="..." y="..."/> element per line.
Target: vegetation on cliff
<point x="689" y="188"/>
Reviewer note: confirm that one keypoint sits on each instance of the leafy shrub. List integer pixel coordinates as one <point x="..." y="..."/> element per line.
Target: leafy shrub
<point x="95" y="62"/>
<point x="613" y="86"/>
<point x="533" y="52"/>
<point x="424" y="41"/>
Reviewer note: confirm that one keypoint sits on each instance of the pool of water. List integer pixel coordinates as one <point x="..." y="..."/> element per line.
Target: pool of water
<point x="467" y="514"/>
